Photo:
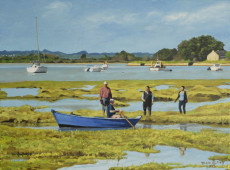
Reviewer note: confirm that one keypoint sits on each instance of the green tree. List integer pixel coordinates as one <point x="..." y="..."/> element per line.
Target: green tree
<point x="197" y="48"/>
<point x="165" y="54"/>
<point x="227" y="55"/>
<point x="123" y="56"/>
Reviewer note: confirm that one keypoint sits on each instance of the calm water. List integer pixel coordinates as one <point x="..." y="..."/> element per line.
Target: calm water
<point x="76" y="104"/>
<point x="12" y="92"/>
<point x="167" y="154"/>
<point x="75" y="72"/>
<point x="191" y="127"/>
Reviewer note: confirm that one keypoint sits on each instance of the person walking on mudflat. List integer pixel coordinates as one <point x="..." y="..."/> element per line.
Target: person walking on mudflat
<point x="182" y="96"/>
<point x="147" y="98"/>
<point x="105" y="96"/>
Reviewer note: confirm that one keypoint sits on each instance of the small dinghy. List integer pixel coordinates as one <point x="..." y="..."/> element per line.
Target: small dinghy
<point x="71" y="120"/>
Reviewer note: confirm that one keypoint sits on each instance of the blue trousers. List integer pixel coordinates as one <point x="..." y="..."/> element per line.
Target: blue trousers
<point x="105" y="103"/>
<point x="182" y="103"/>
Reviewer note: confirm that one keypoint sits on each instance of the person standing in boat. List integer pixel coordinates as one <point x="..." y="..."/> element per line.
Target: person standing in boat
<point x="111" y="111"/>
<point x="105" y="96"/>
<point x="147" y="98"/>
<point x="182" y="96"/>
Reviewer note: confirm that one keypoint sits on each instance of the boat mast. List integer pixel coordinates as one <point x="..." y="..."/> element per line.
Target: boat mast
<point x="37" y="38"/>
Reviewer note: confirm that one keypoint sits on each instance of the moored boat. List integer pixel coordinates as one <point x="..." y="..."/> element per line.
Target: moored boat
<point x="104" y="66"/>
<point x="158" y="67"/>
<point x="215" y="67"/>
<point x="36" y="67"/>
<point x="71" y="120"/>
<point x="94" y="68"/>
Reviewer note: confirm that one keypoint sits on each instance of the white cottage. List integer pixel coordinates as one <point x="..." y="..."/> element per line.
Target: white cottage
<point x="216" y="55"/>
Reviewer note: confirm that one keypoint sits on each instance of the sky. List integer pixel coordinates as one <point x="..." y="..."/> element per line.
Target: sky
<point x="111" y="25"/>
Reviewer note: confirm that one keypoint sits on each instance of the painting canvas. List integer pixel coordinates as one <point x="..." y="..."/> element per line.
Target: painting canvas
<point x="114" y="84"/>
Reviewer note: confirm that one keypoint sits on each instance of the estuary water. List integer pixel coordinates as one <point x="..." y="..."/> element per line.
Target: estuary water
<point x="168" y="154"/>
<point x="190" y="127"/>
<point x="75" y="72"/>
<point x="77" y="104"/>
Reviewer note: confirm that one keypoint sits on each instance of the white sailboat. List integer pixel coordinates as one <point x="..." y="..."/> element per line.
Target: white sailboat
<point x="36" y="67"/>
<point x="104" y="66"/>
<point x="94" y="68"/>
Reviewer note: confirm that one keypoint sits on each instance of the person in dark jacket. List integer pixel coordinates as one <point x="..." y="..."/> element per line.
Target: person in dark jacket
<point x="183" y="99"/>
<point x="111" y="111"/>
<point x="147" y="98"/>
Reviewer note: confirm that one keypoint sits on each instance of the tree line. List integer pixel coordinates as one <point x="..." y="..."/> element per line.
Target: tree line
<point x="195" y="49"/>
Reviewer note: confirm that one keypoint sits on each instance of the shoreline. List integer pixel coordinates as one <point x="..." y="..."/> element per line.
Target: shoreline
<point x="176" y="64"/>
<point x="135" y="64"/>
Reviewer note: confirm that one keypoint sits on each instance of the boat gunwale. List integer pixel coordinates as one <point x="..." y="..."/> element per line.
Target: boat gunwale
<point x="88" y="117"/>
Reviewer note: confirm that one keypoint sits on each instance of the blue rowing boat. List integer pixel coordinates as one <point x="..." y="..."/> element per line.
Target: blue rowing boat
<point x="71" y="120"/>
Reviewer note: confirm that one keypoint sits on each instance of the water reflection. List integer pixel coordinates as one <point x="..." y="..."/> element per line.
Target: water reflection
<point x="69" y="129"/>
<point x="183" y="127"/>
<point x="182" y="150"/>
<point x="167" y="154"/>
<point x="191" y="127"/>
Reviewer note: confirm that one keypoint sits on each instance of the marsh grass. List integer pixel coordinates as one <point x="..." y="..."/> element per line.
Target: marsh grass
<point x="156" y="166"/>
<point x="198" y="90"/>
<point x="24" y="114"/>
<point x="217" y="114"/>
<point x="47" y="149"/>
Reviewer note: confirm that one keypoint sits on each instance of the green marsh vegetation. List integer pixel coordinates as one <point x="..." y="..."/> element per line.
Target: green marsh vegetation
<point x="48" y="149"/>
<point x="55" y="149"/>
<point x="218" y="114"/>
<point x="124" y="91"/>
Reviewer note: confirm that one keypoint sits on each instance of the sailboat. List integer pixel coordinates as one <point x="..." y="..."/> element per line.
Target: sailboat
<point x="36" y="67"/>
<point x="104" y="66"/>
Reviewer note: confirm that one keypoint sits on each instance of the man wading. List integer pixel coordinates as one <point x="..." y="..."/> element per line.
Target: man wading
<point x="105" y="96"/>
<point x="147" y="98"/>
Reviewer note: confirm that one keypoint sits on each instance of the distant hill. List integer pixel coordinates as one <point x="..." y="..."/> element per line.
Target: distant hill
<point x="69" y="56"/>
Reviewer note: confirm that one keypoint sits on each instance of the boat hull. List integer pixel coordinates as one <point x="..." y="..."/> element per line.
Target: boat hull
<point x="216" y="69"/>
<point x="38" y="69"/>
<point x="159" y="69"/>
<point x="66" y="120"/>
<point x="95" y="69"/>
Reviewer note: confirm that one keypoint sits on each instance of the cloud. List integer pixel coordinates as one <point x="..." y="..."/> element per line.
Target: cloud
<point x="215" y="14"/>
<point x="113" y="17"/>
<point x="154" y="14"/>
<point x="176" y="16"/>
<point x="57" y="8"/>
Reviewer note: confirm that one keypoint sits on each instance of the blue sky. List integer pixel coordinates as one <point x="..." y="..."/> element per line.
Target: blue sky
<point x="111" y="25"/>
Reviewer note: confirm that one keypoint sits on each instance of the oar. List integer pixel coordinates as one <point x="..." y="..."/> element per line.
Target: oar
<point x="126" y="119"/>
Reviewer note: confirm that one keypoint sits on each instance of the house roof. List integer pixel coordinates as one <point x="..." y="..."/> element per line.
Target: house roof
<point x="221" y="52"/>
